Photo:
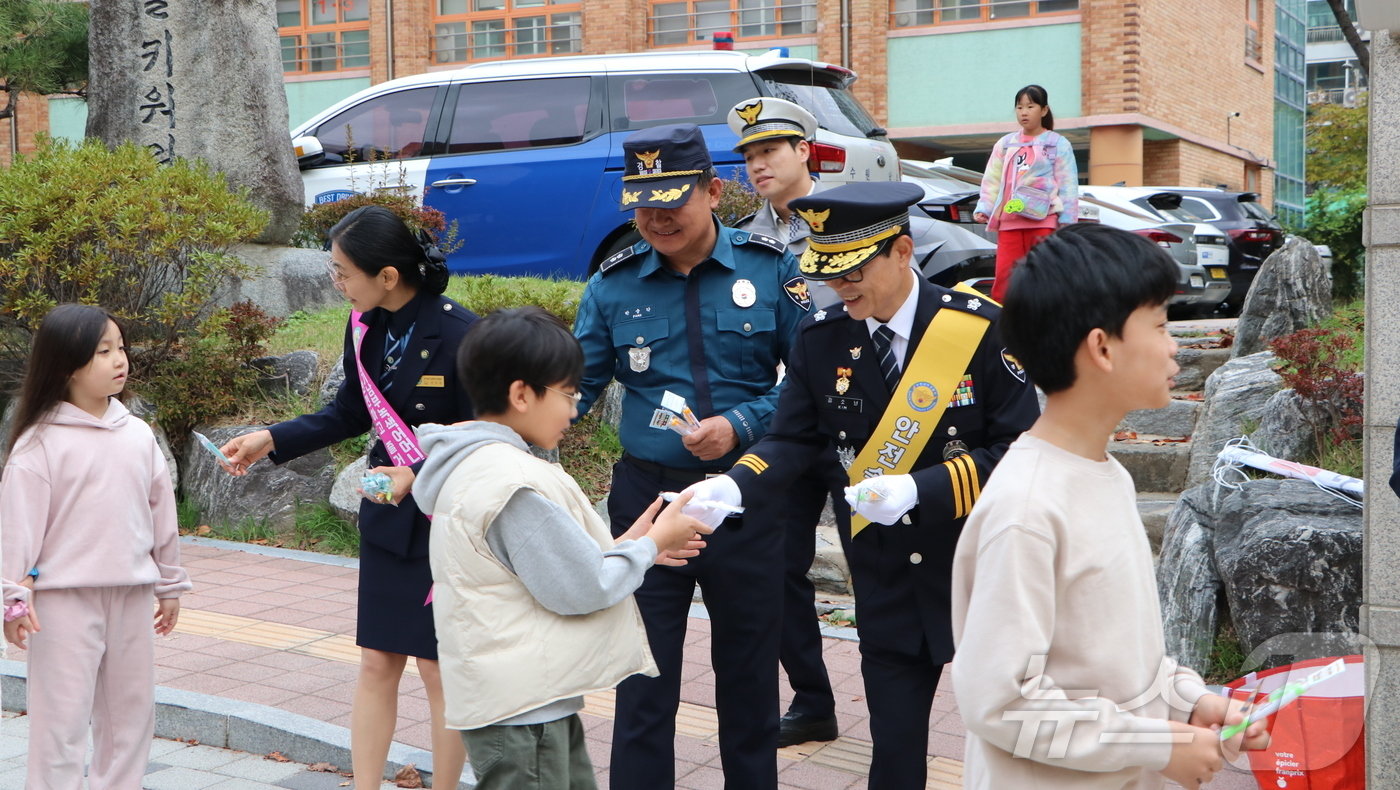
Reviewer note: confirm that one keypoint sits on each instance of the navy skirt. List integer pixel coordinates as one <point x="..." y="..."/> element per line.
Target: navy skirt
<point x="392" y="615"/>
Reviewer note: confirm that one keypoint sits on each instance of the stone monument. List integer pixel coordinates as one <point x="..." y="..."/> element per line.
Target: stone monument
<point x="198" y="81"/>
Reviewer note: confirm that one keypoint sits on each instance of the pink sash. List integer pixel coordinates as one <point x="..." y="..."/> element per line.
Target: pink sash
<point x="399" y="440"/>
<point x="397" y="437"/>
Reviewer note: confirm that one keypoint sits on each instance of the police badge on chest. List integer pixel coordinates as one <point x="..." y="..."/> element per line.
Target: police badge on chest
<point x="639" y="358"/>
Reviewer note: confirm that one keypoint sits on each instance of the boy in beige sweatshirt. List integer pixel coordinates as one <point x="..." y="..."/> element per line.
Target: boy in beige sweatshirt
<point x="1060" y="673"/>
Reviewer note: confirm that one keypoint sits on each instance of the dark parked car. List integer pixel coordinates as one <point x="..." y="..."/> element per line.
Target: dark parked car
<point x="1253" y="233"/>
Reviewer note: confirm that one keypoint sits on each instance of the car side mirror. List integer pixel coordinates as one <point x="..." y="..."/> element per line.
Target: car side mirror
<point x="309" y="151"/>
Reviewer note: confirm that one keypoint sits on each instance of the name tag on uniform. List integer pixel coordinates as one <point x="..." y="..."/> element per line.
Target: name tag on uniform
<point x="432" y="381"/>
<point x="844" y="404"/>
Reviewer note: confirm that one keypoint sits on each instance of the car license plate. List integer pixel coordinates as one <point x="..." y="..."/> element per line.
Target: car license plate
<point x="1197" y="281"/>
<point x="1217" y="272"/>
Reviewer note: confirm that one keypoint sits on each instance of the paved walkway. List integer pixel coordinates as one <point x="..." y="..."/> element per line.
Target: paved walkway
<point x="279" y="631"/>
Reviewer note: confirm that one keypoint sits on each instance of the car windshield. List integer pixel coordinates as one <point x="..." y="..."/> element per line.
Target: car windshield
<point x="642" y="100"/>
<point x="934" y="178"/>
<point x="825" y="95"/>
<point x="1256" y="211"/>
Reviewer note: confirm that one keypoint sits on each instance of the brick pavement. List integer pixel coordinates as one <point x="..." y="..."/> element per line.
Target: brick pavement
<point x="279" y="631"/>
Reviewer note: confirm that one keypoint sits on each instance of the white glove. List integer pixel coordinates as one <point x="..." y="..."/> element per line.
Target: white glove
<point x="713" y="499"/>
<point x="883" y="498"/>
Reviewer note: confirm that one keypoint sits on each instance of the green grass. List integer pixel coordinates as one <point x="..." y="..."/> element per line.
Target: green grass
<point x="1226" y="660"/>
<point x="588" y="452"/>
<point x="1346" y="458"/>
<point x="320" y="528"/>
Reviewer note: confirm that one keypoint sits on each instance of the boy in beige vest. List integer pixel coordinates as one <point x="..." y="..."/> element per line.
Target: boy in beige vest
<point x="532" y="597"/>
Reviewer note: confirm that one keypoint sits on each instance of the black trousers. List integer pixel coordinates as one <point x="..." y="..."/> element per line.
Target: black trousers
<point x="899" y="692"/>
<point x="739" y="574"/>
<point x="801" y="650"/>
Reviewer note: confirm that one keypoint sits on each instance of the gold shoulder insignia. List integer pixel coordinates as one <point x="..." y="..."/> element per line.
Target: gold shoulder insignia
<point x="814" y="218"/>
<point x="648" y="157"/>
<point x="750" y="112"/>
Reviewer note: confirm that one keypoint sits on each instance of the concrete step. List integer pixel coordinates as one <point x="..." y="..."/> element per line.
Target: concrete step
<point x="1155" y="462"/>
<point x="1153" y="508"/>
<point x="1177" y="419"/>
<point x="1196" y="365"/>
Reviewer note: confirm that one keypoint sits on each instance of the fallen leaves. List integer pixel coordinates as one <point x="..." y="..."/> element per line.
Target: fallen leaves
<point x="408" y="776"/>
<point x="277" y="757"/>
<point x="325" y="768"/>
<point x="1123" y="436"/>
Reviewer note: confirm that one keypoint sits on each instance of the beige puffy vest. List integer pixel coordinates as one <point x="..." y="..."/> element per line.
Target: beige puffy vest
<point x="501" y="652"/>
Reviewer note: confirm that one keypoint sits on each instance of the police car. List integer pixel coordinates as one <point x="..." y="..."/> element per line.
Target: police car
<point x="526" y="155"/>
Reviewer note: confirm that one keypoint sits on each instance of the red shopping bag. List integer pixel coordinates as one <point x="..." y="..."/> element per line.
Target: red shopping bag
<point x="1319" y="742"/>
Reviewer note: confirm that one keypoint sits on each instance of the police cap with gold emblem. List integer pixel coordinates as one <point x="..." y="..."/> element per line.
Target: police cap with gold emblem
<point x="662" y="166"/>
<point x="764" y="118"/>
<point x="850" y="223"/>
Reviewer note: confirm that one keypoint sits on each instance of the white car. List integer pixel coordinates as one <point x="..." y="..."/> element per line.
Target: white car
<point x="526" y="155"/>
<point x="1206" y="281"/>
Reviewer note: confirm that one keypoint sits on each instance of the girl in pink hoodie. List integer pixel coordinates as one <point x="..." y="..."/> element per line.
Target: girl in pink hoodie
<point x="87" y="521"/>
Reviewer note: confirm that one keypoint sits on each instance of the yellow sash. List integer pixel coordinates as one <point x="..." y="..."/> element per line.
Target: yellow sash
<point x="925" y="389"/>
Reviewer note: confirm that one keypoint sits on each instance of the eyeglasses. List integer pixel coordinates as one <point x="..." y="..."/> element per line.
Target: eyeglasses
<point x="338" y="279"/>
<point x="854" y="277"/>
<point x="573" y="396"/>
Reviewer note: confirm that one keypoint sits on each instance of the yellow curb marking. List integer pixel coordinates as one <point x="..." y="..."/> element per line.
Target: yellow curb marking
<point x="695" y="721"/>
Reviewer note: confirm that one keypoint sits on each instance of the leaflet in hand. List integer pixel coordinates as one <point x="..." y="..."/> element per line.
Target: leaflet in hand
<point x="710" y="504"/>
<point x="211" y="447"/>
<point x="676" y="405"/>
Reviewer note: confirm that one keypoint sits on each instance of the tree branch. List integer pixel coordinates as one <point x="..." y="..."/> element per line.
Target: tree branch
<point x="1344" y="21"/>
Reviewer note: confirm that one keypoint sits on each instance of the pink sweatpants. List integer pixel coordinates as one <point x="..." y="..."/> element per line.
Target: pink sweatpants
<point x="94" y="661"/>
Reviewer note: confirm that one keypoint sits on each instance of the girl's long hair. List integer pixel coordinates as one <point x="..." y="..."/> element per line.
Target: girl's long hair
<point x="1037" y="95"/>
<point x="64" y="343"/>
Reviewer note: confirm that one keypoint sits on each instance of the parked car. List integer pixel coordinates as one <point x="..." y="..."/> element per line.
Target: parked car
<point x="1197" y="291"/>
<point x="946" y="198"/>
<point x="1212" y="254"/>
<point x="1252" y="232"/>
<point x="526" y="155"/>
<point x="966" y="249"/>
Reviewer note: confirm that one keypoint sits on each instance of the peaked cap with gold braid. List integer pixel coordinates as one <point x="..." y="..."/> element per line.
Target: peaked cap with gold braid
<point x="763" y="117"/>
<point x="662" y="166"/>
<point x="849" y="223"/>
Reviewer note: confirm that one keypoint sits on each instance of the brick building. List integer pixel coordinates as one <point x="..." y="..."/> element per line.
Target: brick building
<point x="1170" y="92"/>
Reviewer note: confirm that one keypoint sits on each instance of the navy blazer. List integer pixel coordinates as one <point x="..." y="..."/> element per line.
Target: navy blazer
<point x="417" y="397"/>
<point x="902" y="573"/>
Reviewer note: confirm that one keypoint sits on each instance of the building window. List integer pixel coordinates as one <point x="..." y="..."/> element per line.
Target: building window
<point x="468" y="30"/>
<point x="323" y="35"/>
<point x="691" y="21"/>
<point x="912" y="13"/>
<point x="1253" y="46"/>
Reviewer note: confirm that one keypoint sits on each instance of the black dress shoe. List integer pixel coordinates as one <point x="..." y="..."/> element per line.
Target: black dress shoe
<point x="795" y="728"/>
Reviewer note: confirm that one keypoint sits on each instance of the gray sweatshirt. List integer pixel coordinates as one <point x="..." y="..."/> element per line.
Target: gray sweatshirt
<point x="537" y="539"/>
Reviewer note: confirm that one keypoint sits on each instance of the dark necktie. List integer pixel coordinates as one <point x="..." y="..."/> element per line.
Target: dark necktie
<point x="883" y="338"/>
<point x="394" y="349"/>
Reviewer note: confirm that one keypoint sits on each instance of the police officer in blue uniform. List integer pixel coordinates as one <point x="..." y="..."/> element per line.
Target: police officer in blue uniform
<point x="853" y="366"/>
<point x="708" y="313"/>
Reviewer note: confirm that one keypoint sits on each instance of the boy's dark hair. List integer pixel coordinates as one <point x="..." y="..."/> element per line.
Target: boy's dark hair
<point x="1079" y="278"/>
<point x="1037" y="95"/>
<point x="528" y="344"/>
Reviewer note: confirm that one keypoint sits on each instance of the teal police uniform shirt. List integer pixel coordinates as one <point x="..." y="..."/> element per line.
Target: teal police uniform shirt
<point x="635" y="325"/>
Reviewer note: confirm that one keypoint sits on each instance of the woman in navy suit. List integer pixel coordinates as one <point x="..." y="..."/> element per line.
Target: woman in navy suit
<point x="409" y="352"/>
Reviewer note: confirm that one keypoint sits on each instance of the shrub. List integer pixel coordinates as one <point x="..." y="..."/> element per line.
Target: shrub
<point x="1334" y="218"/>
<point x="84" y="223"/>
<point x="736" y="201"/>
<point x="208" y="375"/>
<point x="1321" y="364"/>
<point x="318" y="220"/>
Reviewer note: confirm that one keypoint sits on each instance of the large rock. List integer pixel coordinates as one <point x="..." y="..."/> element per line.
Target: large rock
<point x="198" y="80"/>
<point x="1154" y="467"/>
<point x="344" y="497"/>
<point x="1291" y="291"/>
<point x="1288" y="428"/>
<point x="267" y="493"/>
<point x="334" y="379"/>
<point x="1289" y="555"/>
<point x="294" y="372"/>
<point x="1234" y="399"/>
<point x="1187" y="581"/>
<point x="1176" y="419"/>
<point x="1196" y="366"/>
<point x="146" y="410"/>
<point x="284" y="280"/>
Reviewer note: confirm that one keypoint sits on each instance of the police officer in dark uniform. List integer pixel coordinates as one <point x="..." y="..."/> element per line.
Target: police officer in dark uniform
<point x="910" y="385"/>
<point x="707" y="313"/>
<point x="410" y="354"/>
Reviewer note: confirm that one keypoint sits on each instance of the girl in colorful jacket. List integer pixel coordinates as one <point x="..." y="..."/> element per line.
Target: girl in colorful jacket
<point x="1031" y="185"/>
